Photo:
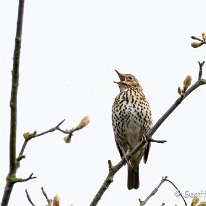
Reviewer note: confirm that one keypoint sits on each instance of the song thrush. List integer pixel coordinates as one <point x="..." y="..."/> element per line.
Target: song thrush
<point x="131" y="119"/>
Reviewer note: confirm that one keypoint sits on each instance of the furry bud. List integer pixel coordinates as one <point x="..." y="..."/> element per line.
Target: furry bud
<point x="56" y="200"/>
<point x="196" y="44"/>
<point x="195" y="200"/>
<point x="187" y="82"/>
<point x="84" y="122"/>
<point x="203" y="35"/>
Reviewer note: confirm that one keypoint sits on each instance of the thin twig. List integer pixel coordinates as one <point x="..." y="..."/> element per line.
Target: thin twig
<point x="175" y="105"/>
<point x="142" y="203"/>
<point x="49" y="201"/>
<point x="49" y="130"/>
<point x="177" y="190"/>
<point x="29" y="198"/>
<point x="110" y="165"/>
<point x="33" y="135"/>
<point x="26" y="179"/>
<point x="114" y="169"/>
<point x="29" y="136"/>
<point x="21" y="156"/>
<point x="164" y="179"/>
<point x="201" y="64"/>
<point x="196" y="38"/>
<point x="154" y="140"/>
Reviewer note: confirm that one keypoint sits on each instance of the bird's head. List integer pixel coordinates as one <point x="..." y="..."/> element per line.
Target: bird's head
<point x="126" y="81"/>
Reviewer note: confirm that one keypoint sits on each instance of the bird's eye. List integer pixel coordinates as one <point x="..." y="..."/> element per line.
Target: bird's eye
<point x="130" y="78"/>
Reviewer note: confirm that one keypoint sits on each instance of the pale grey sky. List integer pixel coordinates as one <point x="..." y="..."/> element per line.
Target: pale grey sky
<point x="69" y="52"/>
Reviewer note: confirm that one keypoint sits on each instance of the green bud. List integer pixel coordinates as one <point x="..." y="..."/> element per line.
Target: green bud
<point x="28" y="135"/>
<point x="179" y="90"/>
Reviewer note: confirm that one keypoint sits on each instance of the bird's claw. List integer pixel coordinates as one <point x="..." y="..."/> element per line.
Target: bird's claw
<point x="146" y="141"/>
<point x="128" y="161"/>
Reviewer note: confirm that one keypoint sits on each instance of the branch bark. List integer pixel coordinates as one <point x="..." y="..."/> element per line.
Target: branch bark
<point x="13" y="107"/>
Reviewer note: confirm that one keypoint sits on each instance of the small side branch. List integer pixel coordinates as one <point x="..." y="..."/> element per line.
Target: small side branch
<point x="49" y="201"/>
<point x="201" y="64"/>
<point x="177" y="190"/>
<point x="199" y="42"/>
<point x="157" y="141"/>
<point x="164" y="179"/>
<point x="198" y="39"/>
<point x="29" y="198"/>
<point x="142" y="203"/>
<point x="26" y="179"/>
<point x="28" y="136"/>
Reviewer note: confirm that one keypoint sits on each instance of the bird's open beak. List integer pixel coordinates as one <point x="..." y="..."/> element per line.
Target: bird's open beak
<point x="121" y="77"/>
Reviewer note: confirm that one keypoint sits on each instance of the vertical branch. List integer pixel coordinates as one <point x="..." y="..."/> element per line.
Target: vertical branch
<point x="13" y="106"/>
<point x="14" y="89"/>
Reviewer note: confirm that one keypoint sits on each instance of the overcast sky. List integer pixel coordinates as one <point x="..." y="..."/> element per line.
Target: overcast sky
<point x="70" y="50"/>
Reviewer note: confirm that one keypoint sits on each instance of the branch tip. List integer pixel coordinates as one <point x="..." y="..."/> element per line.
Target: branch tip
<point x="45" y="195"/>
<point x="201" y="64"/>
<point x="26" y="179"/>
<point x="60" y="123"/>
<point x="110" y="165"/>
<point x="157" y="141"/>
<point x="29" y="198"/>
<point x="167" y="180"/>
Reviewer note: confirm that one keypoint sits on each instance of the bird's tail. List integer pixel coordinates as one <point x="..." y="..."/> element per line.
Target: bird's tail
<point x="133" y="177"/>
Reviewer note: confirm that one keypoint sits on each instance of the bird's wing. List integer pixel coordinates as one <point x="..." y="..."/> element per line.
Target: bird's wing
<point x="120" y="151"/>
<point x="146" y="152"/>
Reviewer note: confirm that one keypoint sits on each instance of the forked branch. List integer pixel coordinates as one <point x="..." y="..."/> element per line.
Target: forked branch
<point x="50" y="202"/>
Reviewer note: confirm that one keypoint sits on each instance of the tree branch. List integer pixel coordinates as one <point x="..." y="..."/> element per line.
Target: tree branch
<point x="49" y="201"/>
<point x="29" y="198"/>
<point x="26" y="179"/>
<point x="198" y="39"/>
<point x="114" y="169"/>
<point x="201" y="64"/>
<point x="177" y="190"/>
<point x="142" y="203"/>
<point x="13" y="106"/>
<point x="29" y="136"/>
<point x="198" y="83"/>
<point x="164" y="179"/>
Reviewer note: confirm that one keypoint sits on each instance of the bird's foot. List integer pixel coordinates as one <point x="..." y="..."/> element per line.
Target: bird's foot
<point x="146" y="141"/>
<point x="128" y="161"/>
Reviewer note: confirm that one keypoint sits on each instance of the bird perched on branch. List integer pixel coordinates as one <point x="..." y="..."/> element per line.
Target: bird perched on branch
<point x="131" y="119"/>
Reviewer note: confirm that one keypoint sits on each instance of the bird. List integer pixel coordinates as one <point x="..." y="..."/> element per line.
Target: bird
<point x="131" y="120"/>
